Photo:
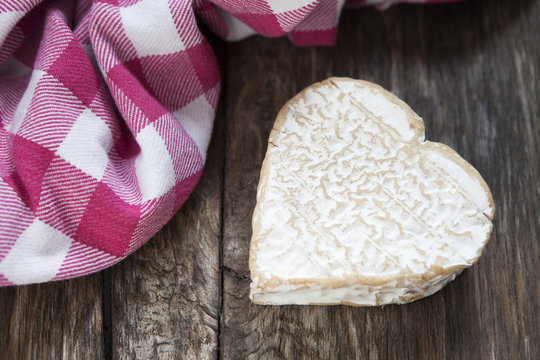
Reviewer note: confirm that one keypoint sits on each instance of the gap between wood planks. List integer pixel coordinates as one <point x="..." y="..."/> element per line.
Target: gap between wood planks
<point x="220" y="48"/>
<point x="107" y="314"/>
<point x="223" y="129"/>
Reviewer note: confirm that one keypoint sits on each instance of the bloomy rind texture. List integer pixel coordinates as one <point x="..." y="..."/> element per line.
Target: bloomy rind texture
<point x="358" y="288"/>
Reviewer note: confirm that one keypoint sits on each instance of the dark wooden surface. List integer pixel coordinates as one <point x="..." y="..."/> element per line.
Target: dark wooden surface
<point x="471" y="70"/>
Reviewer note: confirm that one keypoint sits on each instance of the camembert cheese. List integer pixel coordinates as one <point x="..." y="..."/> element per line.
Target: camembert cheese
<point x="355" y="207"/>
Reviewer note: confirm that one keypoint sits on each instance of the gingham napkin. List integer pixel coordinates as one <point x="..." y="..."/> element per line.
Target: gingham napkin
<point x="106" y="110"/>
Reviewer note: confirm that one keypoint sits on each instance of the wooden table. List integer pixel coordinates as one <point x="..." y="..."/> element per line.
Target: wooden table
<point x="472" y="70"/>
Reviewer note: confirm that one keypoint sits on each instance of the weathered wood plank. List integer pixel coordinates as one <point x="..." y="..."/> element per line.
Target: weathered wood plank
<point x="166" y="296"/>
<point x="471" y="70"/>
<point x="60" y="320"/>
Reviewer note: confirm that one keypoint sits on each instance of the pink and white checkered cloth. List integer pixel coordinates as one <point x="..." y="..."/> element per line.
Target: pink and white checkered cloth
<point x="106" y="110"/>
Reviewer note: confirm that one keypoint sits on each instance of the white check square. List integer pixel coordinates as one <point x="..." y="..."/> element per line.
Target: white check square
<point x="150" y="27"/>
<point x="197" y="118"/>
<point x="87" y="144"/>
<point x="36" y="256"/>
<point x="154" y="167"/>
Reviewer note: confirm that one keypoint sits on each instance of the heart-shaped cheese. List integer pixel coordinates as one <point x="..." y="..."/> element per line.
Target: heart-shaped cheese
<point x="355" y="207"/>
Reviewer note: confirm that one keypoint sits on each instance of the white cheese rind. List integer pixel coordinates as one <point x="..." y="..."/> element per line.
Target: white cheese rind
<point x="350" y="190"/>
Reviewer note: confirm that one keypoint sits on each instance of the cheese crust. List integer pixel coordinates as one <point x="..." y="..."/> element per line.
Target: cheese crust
<point x="355" y="207"/>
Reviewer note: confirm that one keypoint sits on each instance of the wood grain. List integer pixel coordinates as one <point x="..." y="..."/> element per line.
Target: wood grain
<point x="471" y="70"/>
<point x="60" y="320"/>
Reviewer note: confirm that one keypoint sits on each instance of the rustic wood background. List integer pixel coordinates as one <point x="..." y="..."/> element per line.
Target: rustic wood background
<point x="472" y="70"/>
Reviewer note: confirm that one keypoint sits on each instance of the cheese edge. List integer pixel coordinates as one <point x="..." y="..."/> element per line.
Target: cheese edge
<point x="396" y="292"/>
